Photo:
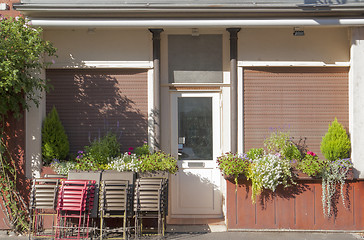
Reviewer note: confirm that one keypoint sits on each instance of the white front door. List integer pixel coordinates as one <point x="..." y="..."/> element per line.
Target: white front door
<point x="195" y="141"/>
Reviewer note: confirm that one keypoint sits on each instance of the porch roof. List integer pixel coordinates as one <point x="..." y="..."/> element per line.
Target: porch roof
<point x="189" y="8"/>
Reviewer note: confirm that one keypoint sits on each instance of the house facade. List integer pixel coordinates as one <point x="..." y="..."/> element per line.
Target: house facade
<point x="198" y="79"/>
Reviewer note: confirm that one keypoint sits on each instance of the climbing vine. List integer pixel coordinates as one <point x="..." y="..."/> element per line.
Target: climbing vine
<point x="21" y="61"/>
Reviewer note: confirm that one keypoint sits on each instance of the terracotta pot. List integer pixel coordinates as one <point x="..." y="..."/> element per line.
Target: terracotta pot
<point x="47" y="170"/>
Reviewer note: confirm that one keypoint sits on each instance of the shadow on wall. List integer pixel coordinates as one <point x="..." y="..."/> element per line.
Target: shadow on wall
<point x="93" y="102"/>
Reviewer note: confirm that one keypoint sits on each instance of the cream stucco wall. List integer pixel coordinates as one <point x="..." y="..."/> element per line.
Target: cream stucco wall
<point x="356" y="99"/>
<point x="101" y="47"/>
<point x="326" y="45"/>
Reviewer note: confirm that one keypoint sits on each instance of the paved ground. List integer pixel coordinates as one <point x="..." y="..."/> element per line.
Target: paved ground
<point x="241" y="236"/>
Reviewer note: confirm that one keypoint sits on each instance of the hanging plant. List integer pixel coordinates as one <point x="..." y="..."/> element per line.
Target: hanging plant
<point x="333" y="175"/>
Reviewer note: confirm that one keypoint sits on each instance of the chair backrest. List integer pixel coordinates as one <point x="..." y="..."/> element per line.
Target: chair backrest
<point x="76" y="195"/>
<point x="114" y="197"/>
<point x="148" y="194"/>
<point x="94" y="176"/>
<point x="44" y="193"/>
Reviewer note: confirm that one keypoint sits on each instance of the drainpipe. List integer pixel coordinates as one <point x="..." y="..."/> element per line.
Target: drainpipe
<point x="233" y="88"/>
<point x="157" y="79"/>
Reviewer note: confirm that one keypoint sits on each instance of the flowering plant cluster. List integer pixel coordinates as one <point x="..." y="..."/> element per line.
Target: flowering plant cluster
<point x="268" y="172"/>
<point x="312" y="165"/>
<point x="158" y="161"/>
<point x="127" y="161"/>
<point x="273" y="166"/>
<point x="234" y="164"/>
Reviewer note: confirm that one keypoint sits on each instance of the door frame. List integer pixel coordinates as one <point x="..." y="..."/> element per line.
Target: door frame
<point x="208" y="164"/>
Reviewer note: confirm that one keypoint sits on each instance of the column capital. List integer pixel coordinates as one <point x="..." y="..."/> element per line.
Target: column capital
<point x="156" y="32"/>
<point x="233" y="32"/>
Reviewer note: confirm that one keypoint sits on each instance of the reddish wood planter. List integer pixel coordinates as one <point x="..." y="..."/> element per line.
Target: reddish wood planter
<point x="295" y="207"/>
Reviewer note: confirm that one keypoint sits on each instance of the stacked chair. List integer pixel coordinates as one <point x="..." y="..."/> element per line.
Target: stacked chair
<point x="75" y="203"/>
<point x="42" y="206"/>
<point x="114" y="204"/>
<point x="150" y="202"/>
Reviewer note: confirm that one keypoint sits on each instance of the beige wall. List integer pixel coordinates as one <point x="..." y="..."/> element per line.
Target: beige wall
<point x="356" y="100"/>
<point x="328" y="45"/>
<point x="108" y="48"/>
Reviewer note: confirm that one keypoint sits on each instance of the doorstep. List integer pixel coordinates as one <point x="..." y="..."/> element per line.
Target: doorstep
<point x="195" y="228"/>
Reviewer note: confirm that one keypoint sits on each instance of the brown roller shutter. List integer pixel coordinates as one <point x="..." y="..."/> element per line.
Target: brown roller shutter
<point x="301" y="100"/>
<point x="91" y="102"/>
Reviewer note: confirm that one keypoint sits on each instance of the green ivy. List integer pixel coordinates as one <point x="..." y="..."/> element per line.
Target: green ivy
<point x="336" y="143"/>
<point x="55" y="143"/>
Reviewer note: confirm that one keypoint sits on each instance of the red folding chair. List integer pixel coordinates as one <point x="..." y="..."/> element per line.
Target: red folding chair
<point x="75" y="203"/>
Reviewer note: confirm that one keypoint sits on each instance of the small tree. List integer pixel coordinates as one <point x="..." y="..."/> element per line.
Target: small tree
<point x="336" y="143"/>
<point x="55" y="143"/>
<point x="21" y="52"/>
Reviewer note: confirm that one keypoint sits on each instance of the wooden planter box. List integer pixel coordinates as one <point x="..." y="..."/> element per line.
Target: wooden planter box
<point x="296" y="207"/>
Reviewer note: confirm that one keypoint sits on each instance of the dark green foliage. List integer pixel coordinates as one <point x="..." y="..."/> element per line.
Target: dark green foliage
<point x="103" y="149"/>
<point x="55" y="143"/>
<point x="336" y="143"/>
<point x="142" y="150"/>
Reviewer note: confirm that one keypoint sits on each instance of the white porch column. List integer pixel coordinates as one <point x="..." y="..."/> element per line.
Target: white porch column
<point x="33" y="138"/>
<point x="356" y="99"/>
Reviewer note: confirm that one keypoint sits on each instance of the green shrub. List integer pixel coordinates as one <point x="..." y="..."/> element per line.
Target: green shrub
<point x="336" y="143"/>
<point x="142" y="150"/>
<point x="103" y="149"/>
<point x="55" y="143"/>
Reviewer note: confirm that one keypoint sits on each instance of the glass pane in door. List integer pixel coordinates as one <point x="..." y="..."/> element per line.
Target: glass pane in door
<point x="195" y="128"/>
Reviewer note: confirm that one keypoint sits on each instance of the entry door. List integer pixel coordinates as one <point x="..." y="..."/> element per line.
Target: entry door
<point x="195" y="141"/>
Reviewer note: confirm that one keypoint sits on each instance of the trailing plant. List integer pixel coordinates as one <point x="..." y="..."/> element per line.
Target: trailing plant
<point x="142" y="150"/>
<point x="125" y="162"/>
<point x="312" y="165"/>
<point x="22" y="49"/>
<point x="55" y="143"/>
<point x="334" y="174"/>
<point x="234" y="164"/>
<point x="336" y="143"/>
<point x="268" y="172"/>
<point x="158" y="161"/>
<point x="104" y="148"/>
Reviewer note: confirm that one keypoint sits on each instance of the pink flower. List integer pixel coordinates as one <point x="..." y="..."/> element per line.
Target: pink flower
<point x="131" y="149"/>
<point x="129" y="153"/>
<point x="312" y="153"/>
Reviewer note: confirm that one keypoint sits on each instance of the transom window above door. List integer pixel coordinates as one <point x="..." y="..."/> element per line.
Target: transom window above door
<point x="195" y="59"/>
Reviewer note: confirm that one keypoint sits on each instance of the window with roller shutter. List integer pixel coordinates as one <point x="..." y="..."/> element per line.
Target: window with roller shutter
<point x="299" y="99"/>
<point x="92" y="102"/>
